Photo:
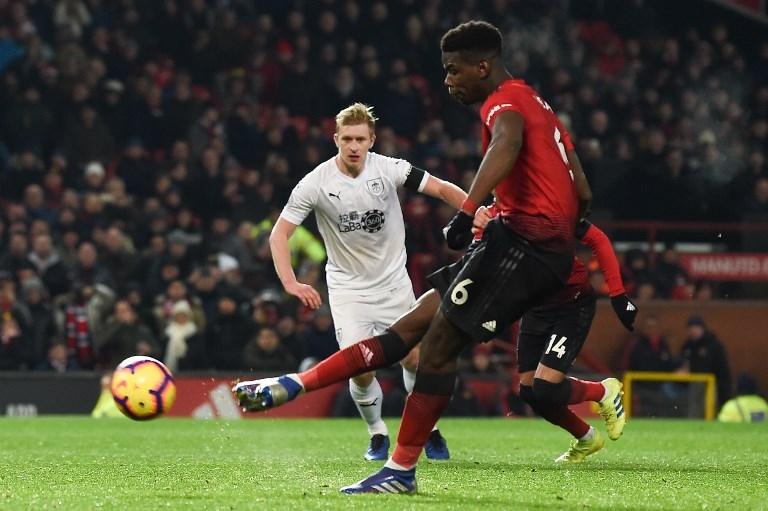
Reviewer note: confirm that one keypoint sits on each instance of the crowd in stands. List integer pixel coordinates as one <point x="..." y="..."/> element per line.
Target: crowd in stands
<point x="147" y="147"/>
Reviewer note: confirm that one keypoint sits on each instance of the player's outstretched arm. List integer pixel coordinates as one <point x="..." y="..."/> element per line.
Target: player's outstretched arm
<point x="602" y="248"/>
<point x="281" y="256"/>
<point x="445" y="191"/>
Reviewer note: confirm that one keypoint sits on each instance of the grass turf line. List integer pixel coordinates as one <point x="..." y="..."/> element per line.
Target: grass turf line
<point x="81" y="463"/>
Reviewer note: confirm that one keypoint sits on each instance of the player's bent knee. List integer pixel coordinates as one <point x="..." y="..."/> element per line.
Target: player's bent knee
<point x="552" y="393"/>
<point x="393" y="347"/>
<point x="526" y="379"/>
<point x="526" y="394"/>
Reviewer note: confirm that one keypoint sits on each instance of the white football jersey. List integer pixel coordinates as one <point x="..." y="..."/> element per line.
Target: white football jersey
<point x="360" y="220"/>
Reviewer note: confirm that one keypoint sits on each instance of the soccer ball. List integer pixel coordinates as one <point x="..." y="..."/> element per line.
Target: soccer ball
<point x="143" y="388"/>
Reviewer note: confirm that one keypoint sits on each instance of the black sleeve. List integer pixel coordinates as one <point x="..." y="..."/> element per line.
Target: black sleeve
<point x="415" y="175"/>
<point x="581" y="229"/>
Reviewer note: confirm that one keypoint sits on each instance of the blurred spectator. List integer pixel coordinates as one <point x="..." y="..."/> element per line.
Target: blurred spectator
<point x="320" y="335"/>
<point x="87" y="269"/>
<point x="117" y="255"/>
<point x="264" y="352"/>
<point x="15" y="328"/>
<point x="184" y="343"/>
<point x="16" y="256"/>
<point x="747" y="406"/>
<point x="464" y="402"/>
<point x="42" y="328"/>
<point x="648" y="349"/>
<point x="303" y="244"/>
<point x="703" y="352"/>
<point x="79" y="319"/>
<point x="636" y="271"/>
<point x="125" y="336"/>
<point x="57" y="360"/>
<point x="227" y="334"/>
<point x="176" y="292"/>
<point x="670" y="277"/>
<point x="482" y="362"/>
<point x="291" y="338"/>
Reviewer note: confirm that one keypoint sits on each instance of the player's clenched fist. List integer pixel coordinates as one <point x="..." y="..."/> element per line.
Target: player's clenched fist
<point x="306" y="293"/>
<point x="482" y="217"/>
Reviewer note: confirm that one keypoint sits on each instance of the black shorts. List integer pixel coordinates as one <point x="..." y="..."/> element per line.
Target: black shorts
<point x="498" y="279"/>
<point x="555" y="334"/>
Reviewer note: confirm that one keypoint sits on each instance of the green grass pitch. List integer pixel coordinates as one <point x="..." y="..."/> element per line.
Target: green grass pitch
<point x="83" y="464"/>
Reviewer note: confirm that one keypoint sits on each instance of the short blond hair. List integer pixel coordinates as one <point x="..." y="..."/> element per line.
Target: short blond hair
<point x="356" y="113"/>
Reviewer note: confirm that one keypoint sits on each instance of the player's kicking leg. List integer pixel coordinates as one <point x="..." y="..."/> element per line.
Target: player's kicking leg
<point x="367" y="355"/>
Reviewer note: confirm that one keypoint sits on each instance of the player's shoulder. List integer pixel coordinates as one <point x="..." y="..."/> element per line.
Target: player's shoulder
<point x="509" y="95"/>
<point x="386" y="163"/>
<point x="380" y="159"/>
<point x="321" y="172"/>
<point x="310" y="184"/>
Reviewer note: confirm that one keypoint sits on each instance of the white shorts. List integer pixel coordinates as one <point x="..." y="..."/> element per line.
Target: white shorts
<point x="359" y="317"/>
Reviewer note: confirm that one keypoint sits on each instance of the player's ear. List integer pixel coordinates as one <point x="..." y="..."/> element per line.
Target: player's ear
<point x="373" y="139"/>
<point x="336" y="139"/>
<point x="483" y="69"/>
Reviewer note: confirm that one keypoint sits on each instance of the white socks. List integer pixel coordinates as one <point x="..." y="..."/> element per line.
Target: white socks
<point x="589" y="435"/>
<point x="368" y="401"/>
<point x="394" y="466"/>
<point x="409" y="380"/>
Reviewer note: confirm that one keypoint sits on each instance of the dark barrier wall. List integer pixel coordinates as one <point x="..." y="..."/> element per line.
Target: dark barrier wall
<point x="741" y="326"/>
<point x="45" y="393"/>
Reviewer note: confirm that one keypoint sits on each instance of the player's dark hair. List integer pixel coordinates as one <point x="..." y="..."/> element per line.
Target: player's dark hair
<point x="473" y="36"/>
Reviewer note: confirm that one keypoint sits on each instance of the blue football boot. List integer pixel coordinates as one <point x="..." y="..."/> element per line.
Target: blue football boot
<point x="386" y="480"/>
<point x="258" y="395"/>
<point x="378" y="449"/>
<point x="436" y="447"/>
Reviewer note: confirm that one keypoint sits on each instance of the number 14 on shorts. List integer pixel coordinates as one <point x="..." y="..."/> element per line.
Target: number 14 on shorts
<point x="558" y="347"/>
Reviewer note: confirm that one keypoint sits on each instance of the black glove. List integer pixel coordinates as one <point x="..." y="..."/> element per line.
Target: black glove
<point x="458" y="232"/>
<point x="625" y="310"/>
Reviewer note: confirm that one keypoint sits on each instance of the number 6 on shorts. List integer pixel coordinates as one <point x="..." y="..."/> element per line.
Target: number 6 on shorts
<point x="459" y="295"/>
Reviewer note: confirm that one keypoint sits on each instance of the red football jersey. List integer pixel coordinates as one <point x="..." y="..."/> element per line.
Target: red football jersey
<point x="537" y="198"/>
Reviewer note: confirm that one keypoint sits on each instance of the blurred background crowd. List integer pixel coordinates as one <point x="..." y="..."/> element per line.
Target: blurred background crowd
<point x="147" y="147"/>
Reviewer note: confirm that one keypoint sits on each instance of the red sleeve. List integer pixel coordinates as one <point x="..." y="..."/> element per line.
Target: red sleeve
<point x="606" y="258"/>
<point x="494" y="105"/>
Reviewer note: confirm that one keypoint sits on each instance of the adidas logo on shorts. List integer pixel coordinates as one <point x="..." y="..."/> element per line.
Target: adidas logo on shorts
<point x="490" y="325"/>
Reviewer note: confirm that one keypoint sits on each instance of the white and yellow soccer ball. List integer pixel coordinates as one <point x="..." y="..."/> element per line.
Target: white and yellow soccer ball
<point x="143" y="388"/>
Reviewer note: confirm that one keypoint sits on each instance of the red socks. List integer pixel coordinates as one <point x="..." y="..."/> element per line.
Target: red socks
<point x="563" y="416"/>
<point x="582" y="390"/>
<point x="419" y="417"/>
<point x="353" y="360"/>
